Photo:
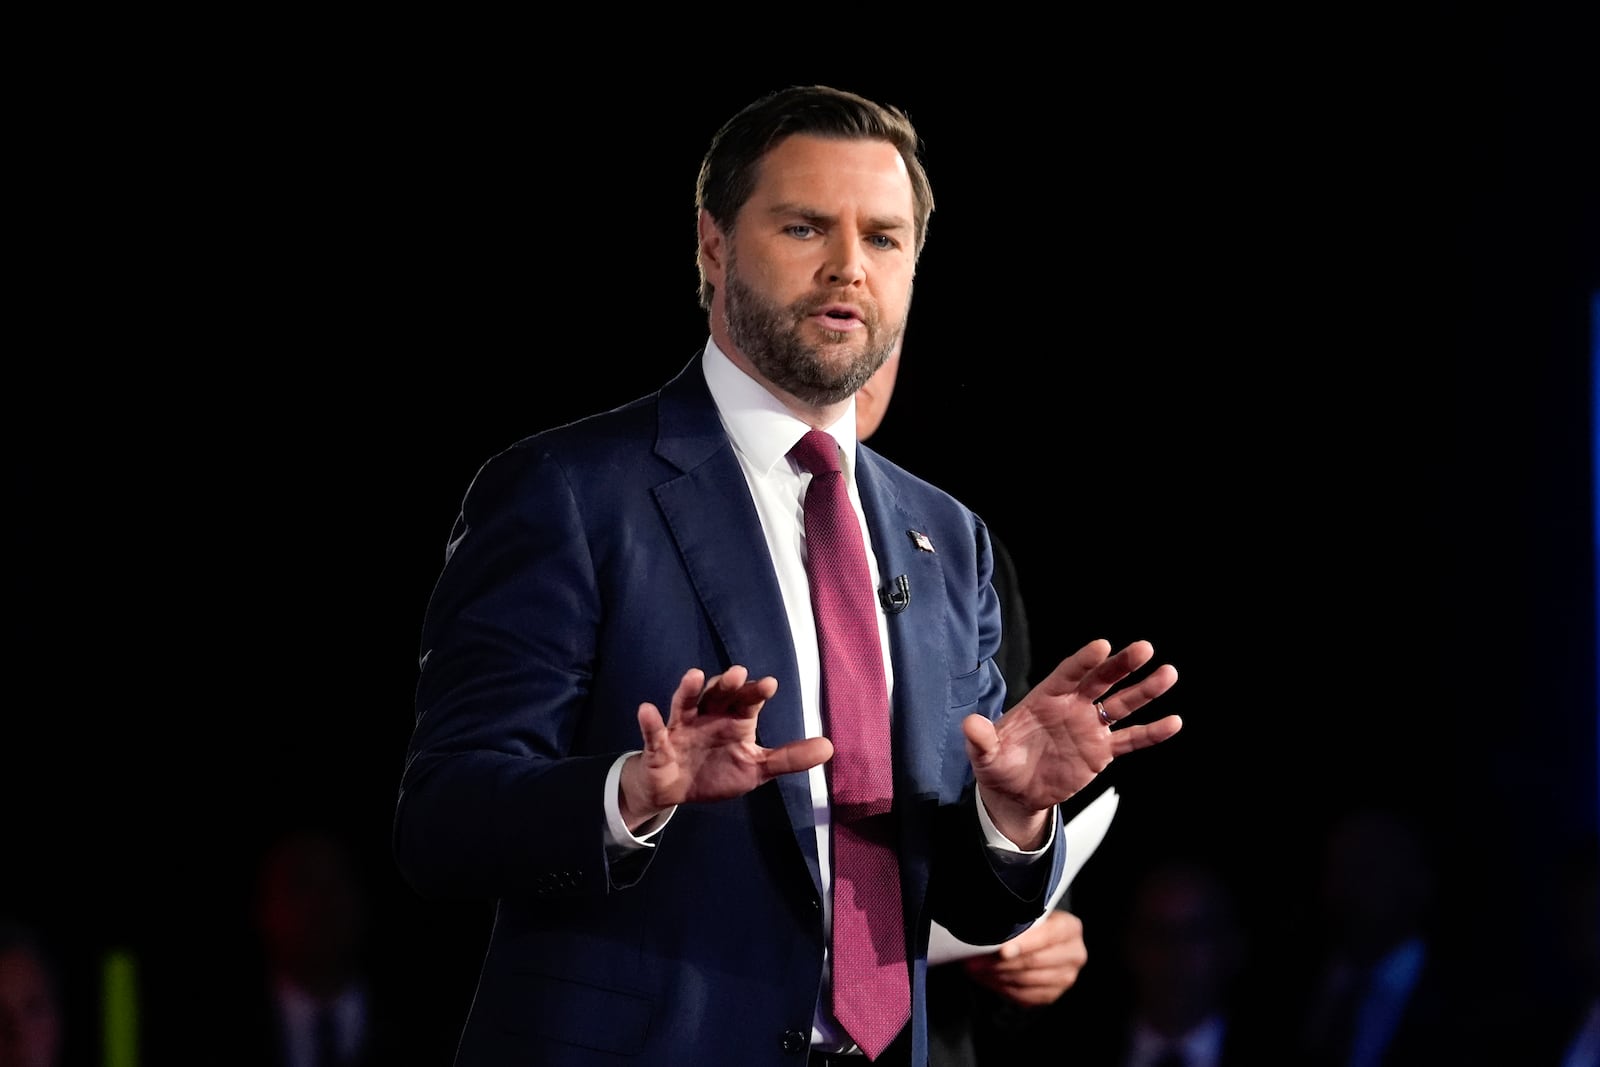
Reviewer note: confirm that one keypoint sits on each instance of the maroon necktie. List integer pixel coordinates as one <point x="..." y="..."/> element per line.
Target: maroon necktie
<point x="871" y="986"/>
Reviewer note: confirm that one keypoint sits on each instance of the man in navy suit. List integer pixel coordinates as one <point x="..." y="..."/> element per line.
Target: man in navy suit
<point x="619" y="734"/>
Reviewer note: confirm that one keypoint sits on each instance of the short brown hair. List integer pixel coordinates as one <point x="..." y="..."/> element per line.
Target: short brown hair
<point x="728" y="171"/>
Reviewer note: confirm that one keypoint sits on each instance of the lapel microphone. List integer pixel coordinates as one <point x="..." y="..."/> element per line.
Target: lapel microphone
<point x="896" y="596"/>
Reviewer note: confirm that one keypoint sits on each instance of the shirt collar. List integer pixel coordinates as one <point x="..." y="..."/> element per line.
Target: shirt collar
<point x="762" y="429"/>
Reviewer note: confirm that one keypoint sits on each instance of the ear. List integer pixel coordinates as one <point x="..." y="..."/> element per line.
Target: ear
<point x="713" y="249"/>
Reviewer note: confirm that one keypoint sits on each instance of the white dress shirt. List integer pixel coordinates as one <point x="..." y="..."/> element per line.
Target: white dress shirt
<point x="762" y="431"/>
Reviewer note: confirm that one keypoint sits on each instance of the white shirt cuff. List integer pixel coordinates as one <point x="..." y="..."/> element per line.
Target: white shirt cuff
<point x="1007" y="849"/>
<point x="618" y="836"/>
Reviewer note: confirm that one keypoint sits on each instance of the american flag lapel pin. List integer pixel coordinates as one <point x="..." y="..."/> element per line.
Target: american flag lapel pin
<point x="920" y="539"/>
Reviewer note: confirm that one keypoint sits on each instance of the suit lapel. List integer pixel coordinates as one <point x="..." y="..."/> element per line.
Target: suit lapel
<point x="727" y="559"/>
<point x="916" y="634"/>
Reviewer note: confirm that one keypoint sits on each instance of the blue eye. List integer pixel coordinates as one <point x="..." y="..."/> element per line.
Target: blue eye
<point x="801" y="230"/>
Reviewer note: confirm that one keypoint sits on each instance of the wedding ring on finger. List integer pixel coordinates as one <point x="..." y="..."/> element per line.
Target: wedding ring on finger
<point x="1101" y="708"/>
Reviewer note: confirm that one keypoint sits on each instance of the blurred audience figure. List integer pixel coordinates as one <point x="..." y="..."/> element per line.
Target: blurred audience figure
<point x="32" y="1023"/>
<point x="1574" y="1005"/>
<point x="1375" y="991"/>
<point x="1168" y="995"/>
<point x="320" y="1005"/>
<point x="1555" y="1020"/>
<point x="1185" y="950"/>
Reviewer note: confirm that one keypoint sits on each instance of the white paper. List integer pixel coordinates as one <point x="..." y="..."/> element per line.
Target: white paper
<point x="1084" y="832"/>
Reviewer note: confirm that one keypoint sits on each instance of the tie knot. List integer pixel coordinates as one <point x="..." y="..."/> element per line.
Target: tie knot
<point x="817" y="452"/>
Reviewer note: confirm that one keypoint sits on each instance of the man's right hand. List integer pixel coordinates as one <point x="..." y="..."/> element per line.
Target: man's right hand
<point x="706" y="749"/>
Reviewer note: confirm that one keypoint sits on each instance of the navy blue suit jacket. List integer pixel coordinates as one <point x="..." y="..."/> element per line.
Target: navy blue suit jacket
<point x="590" y="566"/>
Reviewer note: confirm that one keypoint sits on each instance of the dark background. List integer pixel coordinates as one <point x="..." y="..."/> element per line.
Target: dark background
<point x="1279" y="357"/>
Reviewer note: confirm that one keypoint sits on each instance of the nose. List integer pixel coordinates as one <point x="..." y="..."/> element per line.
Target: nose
<point x="845" y="263"/>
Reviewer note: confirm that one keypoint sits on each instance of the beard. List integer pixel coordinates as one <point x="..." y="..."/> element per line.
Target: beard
<point x="771" y="337"/>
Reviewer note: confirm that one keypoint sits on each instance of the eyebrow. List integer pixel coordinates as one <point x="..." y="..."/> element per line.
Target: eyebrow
<point x="875" y="223"/>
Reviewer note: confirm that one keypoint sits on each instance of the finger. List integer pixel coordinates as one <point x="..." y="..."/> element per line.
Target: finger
<point x="1115" y="668"/>
<point x="744" y="699"/>
<point x="1040" y="987"/>
<point x="1125" y="702"/>
<point x="724" y="685"/>
<point x="1070" y="672"/>
<point x="1128" y="739"/>
<point x="652" y="730"/>
<point x="799" y="755"/>
<point x="1053" y="955"/>
<point x="686" y="698"/>
<point x="1037" y="976"/>
<point x="752" y="695"/>
<point x="982" y="742"/>
<point x="1027" y="942"/>
<point x="1030" y="988"/>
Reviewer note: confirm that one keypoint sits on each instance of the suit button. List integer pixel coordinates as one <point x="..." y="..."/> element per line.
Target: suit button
<point x="794" y="1041"/>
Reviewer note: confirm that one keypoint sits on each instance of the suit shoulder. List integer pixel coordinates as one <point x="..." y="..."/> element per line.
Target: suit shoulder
<point x="623" y="426"/>
<point x="600" y="438"/>
<point x="913" y="489"/>
<point x="605" y="441"/>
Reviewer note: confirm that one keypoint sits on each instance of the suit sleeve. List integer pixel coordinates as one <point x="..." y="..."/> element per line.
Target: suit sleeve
<point x="1015" y="655"/>
<point x="491" y="802"/>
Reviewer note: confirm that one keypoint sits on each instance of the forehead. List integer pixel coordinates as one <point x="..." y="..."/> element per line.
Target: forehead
<point x="833" y="174"/>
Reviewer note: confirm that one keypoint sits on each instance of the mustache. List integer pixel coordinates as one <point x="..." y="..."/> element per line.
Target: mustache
<point x="865" y="306"/>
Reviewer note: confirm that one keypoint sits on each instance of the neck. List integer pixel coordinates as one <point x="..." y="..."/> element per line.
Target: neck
<point x="816" y="416"/>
